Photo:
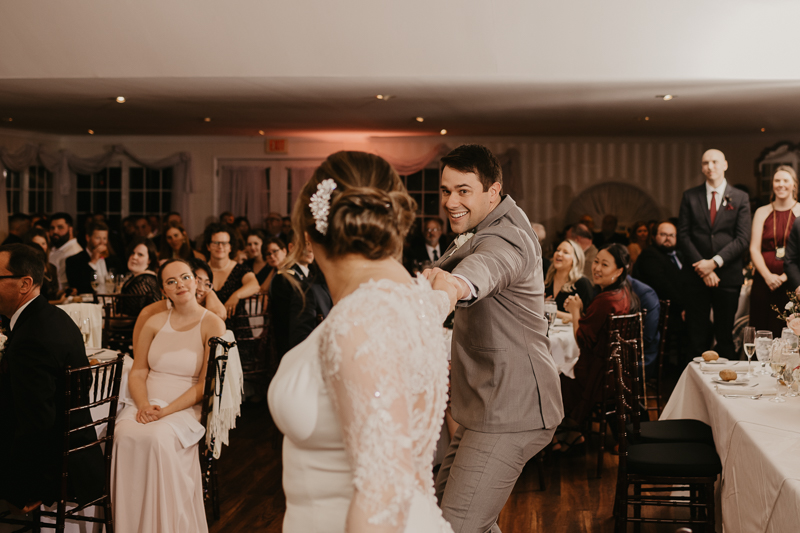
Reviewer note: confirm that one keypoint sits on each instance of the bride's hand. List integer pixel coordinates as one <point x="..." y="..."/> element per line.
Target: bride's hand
<point x="151" y="413"/>
<point x="445" y="281"/>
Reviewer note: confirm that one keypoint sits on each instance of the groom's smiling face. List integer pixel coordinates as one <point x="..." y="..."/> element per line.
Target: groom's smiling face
<point x="464" y="199"/>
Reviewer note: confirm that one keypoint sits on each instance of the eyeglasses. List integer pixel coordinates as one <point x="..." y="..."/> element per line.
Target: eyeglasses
<point x="220" y="243"/>
<point x="276" y="252"/>
<point x="172" y="283"/>
<point x="204" y="283"/>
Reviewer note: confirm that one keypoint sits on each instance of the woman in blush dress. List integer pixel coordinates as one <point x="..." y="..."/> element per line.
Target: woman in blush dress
<point x="771" y="227"/>
<point x="361" y="400"/>
<point x="155" y="480"/>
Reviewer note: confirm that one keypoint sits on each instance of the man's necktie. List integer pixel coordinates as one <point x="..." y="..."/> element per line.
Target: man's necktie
<point x="713" y="206"/>
<point x="674" y="257"/>
<point x="435" y="254"/>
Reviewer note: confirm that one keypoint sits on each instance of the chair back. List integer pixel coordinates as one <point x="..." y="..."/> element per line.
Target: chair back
<point x="119" y="318"/>
<point x="624" y="364"/>
<point x="250" y="326"/>
<point x="86" y="388"/>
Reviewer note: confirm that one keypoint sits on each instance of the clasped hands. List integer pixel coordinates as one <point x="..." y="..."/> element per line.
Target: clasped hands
<point x="705" y="269"/>
<point x="151" y="413"/>
<point x="441" y="280"/>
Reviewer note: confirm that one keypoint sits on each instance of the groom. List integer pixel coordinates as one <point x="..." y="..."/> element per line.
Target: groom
<point x="506" y="394"/>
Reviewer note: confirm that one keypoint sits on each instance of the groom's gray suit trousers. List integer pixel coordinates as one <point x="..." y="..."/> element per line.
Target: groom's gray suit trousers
<point x="479" y="472"/>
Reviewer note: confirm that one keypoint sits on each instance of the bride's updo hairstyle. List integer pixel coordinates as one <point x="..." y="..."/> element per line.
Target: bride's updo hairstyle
<point x="370" y="210"/>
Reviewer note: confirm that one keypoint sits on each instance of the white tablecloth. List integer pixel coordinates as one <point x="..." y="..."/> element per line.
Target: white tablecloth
<point x="564" y="348"/>
<point x="759" y="444"/>
<point x="94" y="312"/>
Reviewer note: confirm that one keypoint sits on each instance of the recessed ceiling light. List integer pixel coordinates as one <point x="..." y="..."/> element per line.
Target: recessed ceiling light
<point x="647" y="118"/>
<point x="261" y="132"/>
<point x="207" y="119"/>
<point x="443" y="132"/>
<point x="665" y="96"/>
<point x="120" y="99"/>
<point x="384" y="96"/>
<point x="763" y="130"/>
<point x="10" y="119"/>
<point x="91" y="132"/>
<point x="420" y="119"/>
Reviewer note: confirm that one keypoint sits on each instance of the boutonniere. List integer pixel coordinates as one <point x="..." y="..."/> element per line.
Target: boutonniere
<point x="3" y="340"/>
<point x="727" y="203"/>
<point x="462" y="239"/>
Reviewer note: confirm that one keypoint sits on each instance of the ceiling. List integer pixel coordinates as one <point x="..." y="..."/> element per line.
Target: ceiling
<point x="512" y="68"/>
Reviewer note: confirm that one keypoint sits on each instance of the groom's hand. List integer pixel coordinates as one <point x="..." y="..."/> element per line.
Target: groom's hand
<point x="442" y="280"/>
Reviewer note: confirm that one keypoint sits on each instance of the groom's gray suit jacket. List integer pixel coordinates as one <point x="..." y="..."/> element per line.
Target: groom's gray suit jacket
<point x="503" y="377"/>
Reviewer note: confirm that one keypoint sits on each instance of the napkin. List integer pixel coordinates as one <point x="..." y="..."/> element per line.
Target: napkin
<point x="716" y="367"/>
<point x="761" y="388"/>
<point x="226" y="409"/>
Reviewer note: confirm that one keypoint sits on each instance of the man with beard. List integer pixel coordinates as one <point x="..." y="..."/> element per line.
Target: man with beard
<point x="62" y="245"/>
<point x="659" y="266"/>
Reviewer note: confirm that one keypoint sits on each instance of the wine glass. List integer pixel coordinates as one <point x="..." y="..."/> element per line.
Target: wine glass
<point x="86" y="330"/>
<point x="749" y="347"/>
<point x="763" y="345"/>
<point x="778" y="363"/>
<point x="95" y="281"/>
<point x="550" y="312"/>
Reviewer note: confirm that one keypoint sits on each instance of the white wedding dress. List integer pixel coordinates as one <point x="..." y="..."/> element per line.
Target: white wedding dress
<point x="361" y="403"/>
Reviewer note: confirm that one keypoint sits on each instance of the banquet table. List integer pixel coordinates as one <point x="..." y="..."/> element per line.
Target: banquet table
<point x="758" y="442"/>
<point x="564" y="348"/>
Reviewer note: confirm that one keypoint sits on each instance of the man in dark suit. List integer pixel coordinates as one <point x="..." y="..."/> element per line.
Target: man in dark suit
<point x="713" y="232"/>
<point x="18" y="225"/>
<point x="94" y="262"/>
<point x="659" y="266"/>
<point x="431" y="246"/>
<point x="42" y="342"/>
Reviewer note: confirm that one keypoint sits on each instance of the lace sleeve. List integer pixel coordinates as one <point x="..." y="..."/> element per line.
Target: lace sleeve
<point x="368" y="385"/>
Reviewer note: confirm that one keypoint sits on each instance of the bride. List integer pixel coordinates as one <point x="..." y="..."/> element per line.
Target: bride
<point x="361" y="400"/>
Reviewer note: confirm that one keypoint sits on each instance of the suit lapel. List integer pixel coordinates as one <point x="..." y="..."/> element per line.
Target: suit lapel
<point x="703" y="199"/>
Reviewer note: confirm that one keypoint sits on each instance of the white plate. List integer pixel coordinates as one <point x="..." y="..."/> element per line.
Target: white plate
<point x="740" y="380"/>
<point x="720" y="361"/>
<point x="105" y="355"/>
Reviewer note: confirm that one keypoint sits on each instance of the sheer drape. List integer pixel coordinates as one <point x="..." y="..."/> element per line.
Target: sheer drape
<point x="65" y="166"/>
<point x="300" y="176"/>
<point x="242" y="191"/>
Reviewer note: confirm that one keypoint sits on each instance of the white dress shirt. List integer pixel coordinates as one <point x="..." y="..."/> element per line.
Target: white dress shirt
<point x="430" y="250"/>
<point x="18" y="312"/>
<point x="718" y="199"/>
<point x="58" y="256"/>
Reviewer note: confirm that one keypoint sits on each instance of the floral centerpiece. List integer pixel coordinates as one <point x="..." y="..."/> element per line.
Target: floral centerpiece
<point x="790" y="313"/>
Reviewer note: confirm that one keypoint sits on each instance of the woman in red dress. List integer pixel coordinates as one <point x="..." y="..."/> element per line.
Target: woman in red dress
<point x="610" y="275"/>
<point x="771" y="227"/>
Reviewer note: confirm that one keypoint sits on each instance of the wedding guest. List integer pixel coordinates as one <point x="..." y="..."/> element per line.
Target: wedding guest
<point x="227" y="218"/>
<point x="286" y="226"/>
<point x="580" y="234"/>
<point x="772" y="224"/>
<point x="713" y="231"/>
<point x="18" y="225"/>
<point x="156" y="483"/>
<point x="265" y="257"/>
<point x="232" y="281"/>
<point x="32" y="392"/>
<point x="63" y="244"/>
<point x="242" y="225"/>
<point x="39" y="237"/>
<point x="640" y="240"/>
<point x="651" y="306"/>
<point x="95" y="263"/>
<point x="610" y="274"/>
<point x="142" y="266"/>
<point x="565" y="278"/>
<point x="175" y="244"/>
<point x="608" y="233"/>
<point x="432" y="244"/>
<point x="143" y="227"/>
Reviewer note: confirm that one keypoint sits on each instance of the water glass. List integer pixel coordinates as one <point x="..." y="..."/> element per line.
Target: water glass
<point x="550" y="312"/>
<point x="763" y="342"/>
<point x="749" y="347"/>
<point x="778" y="363"/>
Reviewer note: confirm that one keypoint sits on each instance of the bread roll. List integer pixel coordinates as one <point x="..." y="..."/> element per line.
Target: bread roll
<point x="727" y="375"/>
<point x="710" y="355"/>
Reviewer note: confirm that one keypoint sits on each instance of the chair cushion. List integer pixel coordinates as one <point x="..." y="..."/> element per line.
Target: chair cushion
<point x="673" y="431"/>
<point x="685" y="459"/>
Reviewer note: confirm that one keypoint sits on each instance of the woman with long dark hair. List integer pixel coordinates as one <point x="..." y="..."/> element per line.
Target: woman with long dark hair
<point x="610" y="275"/>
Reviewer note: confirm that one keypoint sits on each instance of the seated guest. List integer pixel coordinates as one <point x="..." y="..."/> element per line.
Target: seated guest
<point x="18" y="225"/>
<point x="156" y="479"/>
<point x="242" y="225"/>
<point x="143" y="227"/>
<point x="175" y="244"/>
<point x="648" y="301"/>
<point x="273" y="227"/>
<point x="610" y="274"/>
<point x="608" y="233"/>
<point x="565" y="278"/>
<point x="267" y="256"/>
<point x="43" y="341"/>
<point x="39" y="237"/>
<point x="431" y="246"/>
<point x="143" y="265"/>
<point x="298" y="298"/>
<point x="232" y="281"/>
<point x="640" y="240"/>
<point x="93" y="263"/>
<point x="581" y="235"/>
<point x="63" y="244"/>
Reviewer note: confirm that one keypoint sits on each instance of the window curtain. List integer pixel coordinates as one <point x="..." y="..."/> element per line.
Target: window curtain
<point x="242" y="191"/>
<point x="300" y="176"/>
<point x="65" y="166"/>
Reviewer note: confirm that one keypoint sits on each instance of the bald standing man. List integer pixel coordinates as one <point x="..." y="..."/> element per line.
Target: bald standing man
<point x="713" y="232"/>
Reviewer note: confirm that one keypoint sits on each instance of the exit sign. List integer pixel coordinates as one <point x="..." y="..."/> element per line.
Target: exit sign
<point x="277" y="146"/>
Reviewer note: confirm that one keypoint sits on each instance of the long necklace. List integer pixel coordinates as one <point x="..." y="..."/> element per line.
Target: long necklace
<point x="780" y="251"/>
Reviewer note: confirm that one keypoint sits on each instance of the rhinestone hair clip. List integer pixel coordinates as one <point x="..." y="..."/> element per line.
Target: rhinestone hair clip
<point x="320" y="204"/>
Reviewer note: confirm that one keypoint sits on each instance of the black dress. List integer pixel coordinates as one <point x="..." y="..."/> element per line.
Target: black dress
<point x="262" y="274"/>
<point x="583" y="288"/>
